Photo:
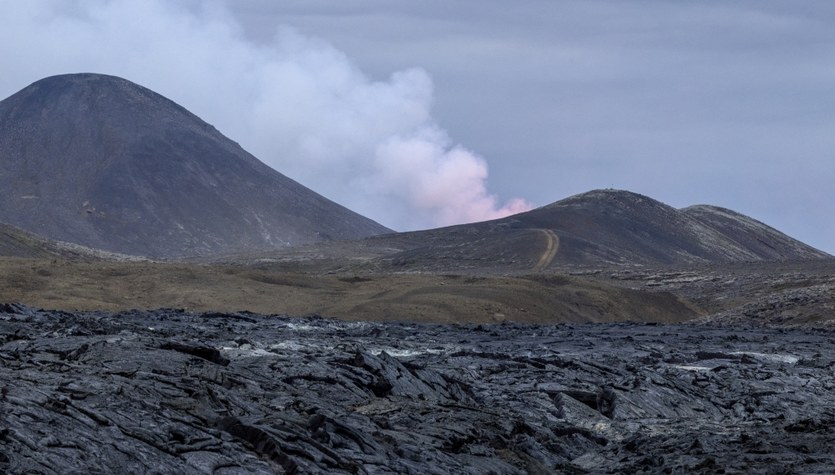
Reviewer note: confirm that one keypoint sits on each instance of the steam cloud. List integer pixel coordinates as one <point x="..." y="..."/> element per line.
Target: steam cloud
<point x="298" y="104"/>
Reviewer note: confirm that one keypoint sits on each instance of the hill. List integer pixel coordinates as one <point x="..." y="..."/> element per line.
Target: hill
<point x="105" y="163"/>
<point x="597" y="228"/>
<point x="15" y="242"/>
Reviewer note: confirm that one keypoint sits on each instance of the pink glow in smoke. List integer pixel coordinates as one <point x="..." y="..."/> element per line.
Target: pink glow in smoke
<point x="297" y="103"/>
<point x="446" y="184"/>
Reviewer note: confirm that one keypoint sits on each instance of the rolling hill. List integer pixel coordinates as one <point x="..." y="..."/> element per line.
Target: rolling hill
<point x="600" y="227"/>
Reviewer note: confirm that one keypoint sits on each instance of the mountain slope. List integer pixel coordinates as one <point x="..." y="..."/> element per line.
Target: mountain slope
<point x="15" y="242"/>
<point x="100" y="161"/>
<point x="760" y="239"/>
<point x="600" y="227"/>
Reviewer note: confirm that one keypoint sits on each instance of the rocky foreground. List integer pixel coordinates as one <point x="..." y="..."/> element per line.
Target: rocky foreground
<point x="174" y="392"/>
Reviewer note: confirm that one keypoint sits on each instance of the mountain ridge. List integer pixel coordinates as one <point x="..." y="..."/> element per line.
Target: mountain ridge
<point x="105" y="163"/>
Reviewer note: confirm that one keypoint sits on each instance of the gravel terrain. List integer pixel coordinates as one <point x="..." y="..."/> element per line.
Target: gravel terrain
<point x="175" y="392"/>
<point x="772" y="293"/>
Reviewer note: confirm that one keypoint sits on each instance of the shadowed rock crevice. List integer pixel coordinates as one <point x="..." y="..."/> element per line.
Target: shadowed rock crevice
<point x="207" y="353"/>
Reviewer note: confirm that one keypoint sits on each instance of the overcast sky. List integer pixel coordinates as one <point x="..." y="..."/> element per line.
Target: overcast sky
<point x="426" y="113"/>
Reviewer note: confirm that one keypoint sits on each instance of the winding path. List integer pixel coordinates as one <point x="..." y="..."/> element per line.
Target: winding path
<point x="550" y="252"/>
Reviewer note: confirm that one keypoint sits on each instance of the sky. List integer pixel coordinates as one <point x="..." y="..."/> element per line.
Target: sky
<point x="421" y="114"/>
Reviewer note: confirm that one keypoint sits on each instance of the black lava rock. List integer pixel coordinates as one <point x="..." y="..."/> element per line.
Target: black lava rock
<point x="175" y="392"/>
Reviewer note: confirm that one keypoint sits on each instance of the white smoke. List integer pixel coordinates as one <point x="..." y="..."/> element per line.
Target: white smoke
<point x="298" y="104"/>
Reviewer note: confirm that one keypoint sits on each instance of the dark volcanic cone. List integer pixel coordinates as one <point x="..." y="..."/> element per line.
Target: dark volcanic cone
<point x="100" y="161"/>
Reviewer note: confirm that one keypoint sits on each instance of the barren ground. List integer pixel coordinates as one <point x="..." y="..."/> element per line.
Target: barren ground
<point x="439" y="298"/>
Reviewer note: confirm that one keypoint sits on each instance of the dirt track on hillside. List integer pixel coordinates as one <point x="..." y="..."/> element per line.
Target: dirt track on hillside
<point x="551" y="248"/>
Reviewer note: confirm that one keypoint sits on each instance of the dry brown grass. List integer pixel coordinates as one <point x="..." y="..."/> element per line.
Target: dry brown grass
<point x="113" y="286"/>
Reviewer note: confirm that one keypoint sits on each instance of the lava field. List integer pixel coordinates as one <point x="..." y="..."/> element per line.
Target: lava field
<point x="170" y="391"/>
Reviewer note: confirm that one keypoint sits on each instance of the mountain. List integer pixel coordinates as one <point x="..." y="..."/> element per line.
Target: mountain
<point x="600" y="227"/>
<point x="100" y="161"/>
